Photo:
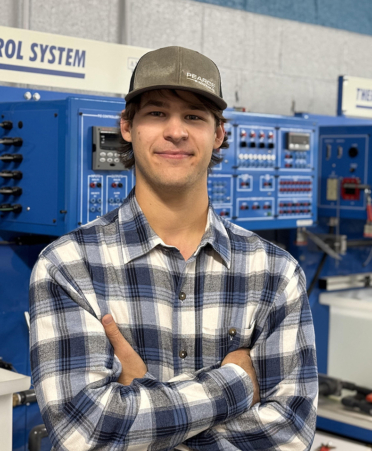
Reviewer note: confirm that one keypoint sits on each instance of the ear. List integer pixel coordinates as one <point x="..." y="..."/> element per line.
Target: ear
<point x="126" y="129"/>
<point x="220" y="134"/>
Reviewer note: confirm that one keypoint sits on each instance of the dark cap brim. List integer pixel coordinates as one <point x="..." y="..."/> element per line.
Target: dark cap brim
<point x="221" y="104"/>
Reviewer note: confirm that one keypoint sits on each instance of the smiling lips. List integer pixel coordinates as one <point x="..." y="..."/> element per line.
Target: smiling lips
<point x="174" y="154"/>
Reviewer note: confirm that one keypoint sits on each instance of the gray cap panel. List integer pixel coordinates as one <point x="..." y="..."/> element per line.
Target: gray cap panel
<point x="177" y="68"/>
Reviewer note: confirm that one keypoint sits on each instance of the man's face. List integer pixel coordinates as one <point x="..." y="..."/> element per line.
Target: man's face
<point x="173" y="139"/>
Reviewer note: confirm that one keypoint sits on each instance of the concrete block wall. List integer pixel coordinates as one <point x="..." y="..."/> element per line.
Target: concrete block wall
<point x="268" y="64"/>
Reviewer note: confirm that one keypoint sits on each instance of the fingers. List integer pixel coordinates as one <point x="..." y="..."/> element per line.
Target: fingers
<point x="112" y="332"/>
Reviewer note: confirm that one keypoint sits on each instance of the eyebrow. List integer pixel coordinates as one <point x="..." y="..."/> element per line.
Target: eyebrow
<point x="161" y="104"/>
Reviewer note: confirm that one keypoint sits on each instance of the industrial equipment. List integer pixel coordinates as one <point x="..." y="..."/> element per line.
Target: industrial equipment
<point x="10" y="383"/>
<point x="50" y="179"/>
<point x="267" y="179"/>
<point x="60" y="167"/>
<point x="345" y="175"/>
<point x="345" y="178"/>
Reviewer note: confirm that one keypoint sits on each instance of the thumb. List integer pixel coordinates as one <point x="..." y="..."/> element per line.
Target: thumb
<point x="112" y="331"/>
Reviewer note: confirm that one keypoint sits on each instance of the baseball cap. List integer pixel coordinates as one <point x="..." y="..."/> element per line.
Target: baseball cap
<point x="177" y="68"/>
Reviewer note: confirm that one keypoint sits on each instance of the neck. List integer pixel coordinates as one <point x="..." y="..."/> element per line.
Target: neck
<point x="178" y="218"/>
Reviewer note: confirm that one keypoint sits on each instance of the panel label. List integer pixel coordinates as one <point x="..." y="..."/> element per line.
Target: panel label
<point x="65" y="62"/>
<point x="355" y="96"/>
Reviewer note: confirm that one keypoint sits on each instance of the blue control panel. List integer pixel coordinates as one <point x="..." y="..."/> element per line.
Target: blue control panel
<point x="59" y="167"/>
<point x="52" y="188"/>
<point x="228" y="162"/>
<point x="345" y="153"/>
<point x="274" y="176"/>
<point x="344" y="161"/>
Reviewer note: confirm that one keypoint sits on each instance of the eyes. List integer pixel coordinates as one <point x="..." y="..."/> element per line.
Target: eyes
<point x="193" y="117"/>
<point x="189" y="117"/>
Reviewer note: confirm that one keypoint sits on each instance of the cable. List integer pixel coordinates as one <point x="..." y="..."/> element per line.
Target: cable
<point x="5" y="208"/>
<point x="6" y="125"/>
<point x="11" y="157"/>
<point x="369" y="258"/>
<point x="11" y="141"/>
<point x="316" y="275"/>
<point x="17" y="175"/>
<point x="11" y="190"/>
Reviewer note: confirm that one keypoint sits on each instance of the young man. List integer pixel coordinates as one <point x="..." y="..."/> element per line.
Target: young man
<point x="160" y="326"/>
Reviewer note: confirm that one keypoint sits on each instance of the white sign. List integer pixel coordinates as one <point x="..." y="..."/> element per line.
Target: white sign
<point x="45" y="59"/>
<point x="355" y="97"/>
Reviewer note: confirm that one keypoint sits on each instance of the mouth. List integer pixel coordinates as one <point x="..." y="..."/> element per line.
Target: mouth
<point x="174" y="154"/>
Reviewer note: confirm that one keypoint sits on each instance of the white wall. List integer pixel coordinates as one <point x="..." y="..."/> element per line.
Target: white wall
<point x="268" y="65"/>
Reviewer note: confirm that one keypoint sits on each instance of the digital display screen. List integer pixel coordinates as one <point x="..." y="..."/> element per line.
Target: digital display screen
<point x="298" y="141"/>
<point x="109" y="140"/>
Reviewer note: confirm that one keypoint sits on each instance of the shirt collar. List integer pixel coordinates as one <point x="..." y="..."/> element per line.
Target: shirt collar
<point x="217" y="236"/>
<point x="138" y="238"/>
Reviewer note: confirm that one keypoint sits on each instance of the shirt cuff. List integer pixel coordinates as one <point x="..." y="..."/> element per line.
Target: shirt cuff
<point x="149" y="376"/>
<point x="236" y="387"/>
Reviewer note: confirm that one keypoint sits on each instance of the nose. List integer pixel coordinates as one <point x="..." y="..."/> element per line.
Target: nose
<point x="175" y="129"/>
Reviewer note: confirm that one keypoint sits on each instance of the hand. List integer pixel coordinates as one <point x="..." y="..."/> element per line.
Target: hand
<point x="132" y="365"/>
<point x="242" y="358"/>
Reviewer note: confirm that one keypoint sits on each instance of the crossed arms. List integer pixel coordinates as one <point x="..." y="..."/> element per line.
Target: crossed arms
<point x="87" y="404"/>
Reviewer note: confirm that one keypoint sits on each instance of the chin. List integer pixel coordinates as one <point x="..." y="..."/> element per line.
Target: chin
<point x="175" y="185"/>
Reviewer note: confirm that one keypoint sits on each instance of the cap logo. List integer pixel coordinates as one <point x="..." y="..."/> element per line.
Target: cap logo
<point x="202" y="81"/>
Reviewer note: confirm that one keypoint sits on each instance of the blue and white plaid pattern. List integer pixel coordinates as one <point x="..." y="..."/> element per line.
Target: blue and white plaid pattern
<point x="118" y="265"/>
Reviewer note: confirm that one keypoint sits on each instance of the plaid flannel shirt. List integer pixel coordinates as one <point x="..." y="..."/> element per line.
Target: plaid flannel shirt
<point x="237" y="290"/>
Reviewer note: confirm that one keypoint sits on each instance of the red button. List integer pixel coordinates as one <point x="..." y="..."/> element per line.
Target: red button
<point x="92" y="185"/>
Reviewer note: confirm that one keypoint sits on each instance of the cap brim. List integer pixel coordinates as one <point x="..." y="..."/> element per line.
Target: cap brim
<point x="221" y="104"/>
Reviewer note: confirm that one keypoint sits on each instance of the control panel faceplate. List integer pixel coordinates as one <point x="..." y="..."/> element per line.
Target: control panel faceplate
<point x="345" y="153"/>
<point x="57" y="174"/>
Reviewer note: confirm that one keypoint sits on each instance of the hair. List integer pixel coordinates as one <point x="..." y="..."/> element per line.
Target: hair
<point x="126" y="150"/>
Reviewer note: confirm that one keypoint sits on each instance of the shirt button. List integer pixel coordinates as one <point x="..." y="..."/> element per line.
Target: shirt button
<point x="182" y="296"/>
<point x="232" y="332"/>
<point x="183" y="354"/>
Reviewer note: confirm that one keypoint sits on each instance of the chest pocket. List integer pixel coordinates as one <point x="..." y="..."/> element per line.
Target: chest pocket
<point x="237" y="337"/>
<point x="217" y="343"/>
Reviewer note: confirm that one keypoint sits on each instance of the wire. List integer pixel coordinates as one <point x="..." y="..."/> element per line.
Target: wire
<point x="369" y="258"/>
<point x="316" y="275"/>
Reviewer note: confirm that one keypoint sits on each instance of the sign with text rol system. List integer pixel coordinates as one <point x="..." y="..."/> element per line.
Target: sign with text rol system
<point x="355" y="97"/>
<point x="46" y="59"/>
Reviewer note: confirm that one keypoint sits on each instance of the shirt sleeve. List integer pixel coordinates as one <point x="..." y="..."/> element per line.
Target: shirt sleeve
<point x="285" y="362"/>
<point x="75" y="376"/>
